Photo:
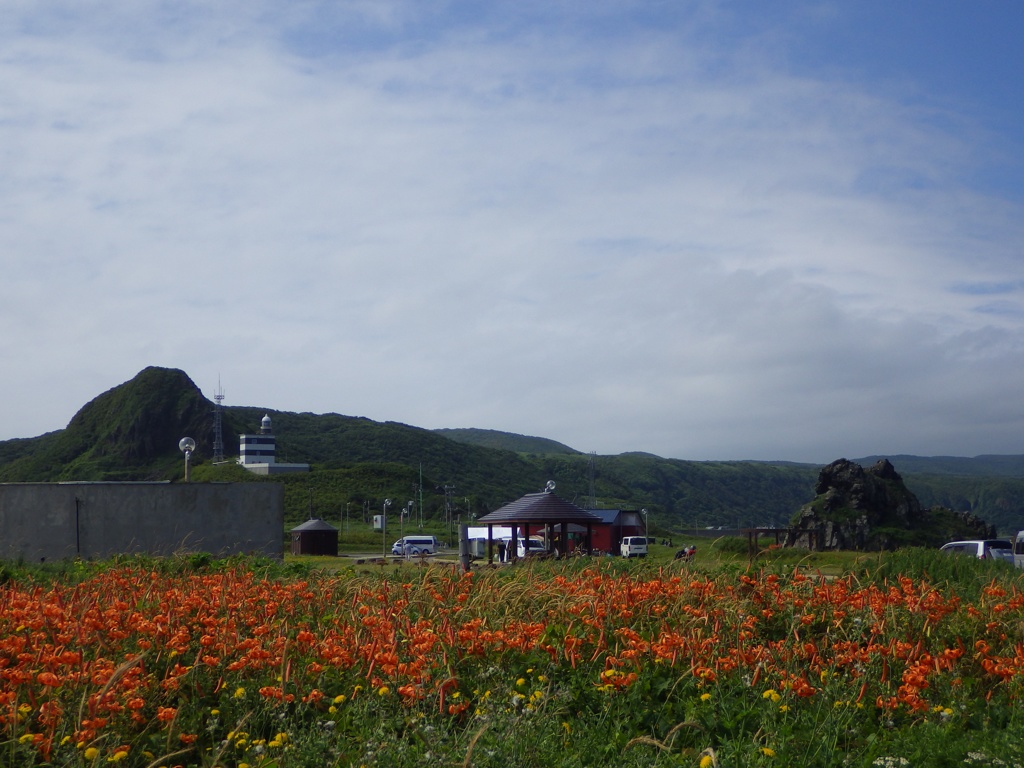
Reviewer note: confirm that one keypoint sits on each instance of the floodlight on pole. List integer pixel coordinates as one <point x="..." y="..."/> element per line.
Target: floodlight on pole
<point x="186" y="445"/>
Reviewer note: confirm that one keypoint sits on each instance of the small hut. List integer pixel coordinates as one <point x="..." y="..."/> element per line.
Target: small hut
<point x="315" y="537"/>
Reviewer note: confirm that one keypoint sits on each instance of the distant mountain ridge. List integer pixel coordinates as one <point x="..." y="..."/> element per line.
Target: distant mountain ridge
<point x="989" y="465"/>
<point x="131" y="432"/>
<point x="505" y="441"/>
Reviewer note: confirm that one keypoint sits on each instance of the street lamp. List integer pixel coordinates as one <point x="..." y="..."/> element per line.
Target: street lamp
<point x="384" y="529"/>
<point x="186" y="445"/>
<point x="644" y="513"/>
<point x="401" y="524"/>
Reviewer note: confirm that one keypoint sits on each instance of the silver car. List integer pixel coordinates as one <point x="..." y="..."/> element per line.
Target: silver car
<point x="983" y="549"/>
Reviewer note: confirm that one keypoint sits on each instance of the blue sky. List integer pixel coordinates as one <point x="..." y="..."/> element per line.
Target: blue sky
<point x="708" y="230"/>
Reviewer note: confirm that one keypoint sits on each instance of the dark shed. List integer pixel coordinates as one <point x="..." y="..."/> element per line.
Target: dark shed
<point x="315" y="537"/>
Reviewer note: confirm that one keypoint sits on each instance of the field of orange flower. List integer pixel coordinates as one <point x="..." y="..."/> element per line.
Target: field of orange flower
<point x="237" y="664"/>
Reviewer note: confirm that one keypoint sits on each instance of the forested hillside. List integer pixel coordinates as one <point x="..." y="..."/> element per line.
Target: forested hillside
<point x="131" y="433"/>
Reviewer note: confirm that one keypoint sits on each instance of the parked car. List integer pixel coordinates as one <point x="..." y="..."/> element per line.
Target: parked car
<point x="983" y="549"/>
<point x="416" y="545"/>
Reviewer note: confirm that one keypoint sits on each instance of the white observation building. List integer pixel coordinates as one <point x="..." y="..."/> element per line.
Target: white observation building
<point x="257" y="452"/>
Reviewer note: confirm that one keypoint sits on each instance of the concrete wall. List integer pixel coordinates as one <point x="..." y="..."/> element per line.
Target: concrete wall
<point x="97" y="520"/>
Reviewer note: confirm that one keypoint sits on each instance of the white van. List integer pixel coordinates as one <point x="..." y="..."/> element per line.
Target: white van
<point x="1018" y="550"/>
<point x="531" y="546"/>
<point x="634" y="546"/>
<point x="416" y="545"/>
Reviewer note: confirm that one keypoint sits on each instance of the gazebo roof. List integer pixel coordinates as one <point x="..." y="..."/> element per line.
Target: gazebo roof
<point x="316" y="524"/>
<point x="543" y="507"/>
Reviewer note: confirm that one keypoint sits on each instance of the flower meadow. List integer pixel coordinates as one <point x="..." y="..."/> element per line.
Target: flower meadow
<point x="242" y="664"/>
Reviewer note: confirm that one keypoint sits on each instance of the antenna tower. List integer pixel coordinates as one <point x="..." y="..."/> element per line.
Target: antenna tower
<point x="218" y="432"/>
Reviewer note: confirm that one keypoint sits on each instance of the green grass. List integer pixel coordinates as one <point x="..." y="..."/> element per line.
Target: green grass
<point x="536" y="706"/>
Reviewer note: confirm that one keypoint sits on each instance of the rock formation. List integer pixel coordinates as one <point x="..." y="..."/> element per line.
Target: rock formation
<point x="871" y="509"/>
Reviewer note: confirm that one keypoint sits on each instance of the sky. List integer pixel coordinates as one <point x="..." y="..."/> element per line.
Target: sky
<point x="704" y="229"/>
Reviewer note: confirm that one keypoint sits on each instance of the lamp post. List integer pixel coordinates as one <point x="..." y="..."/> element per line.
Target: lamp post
<point x="406" y="512"/>
<point x="644" y="513"/>
<point x="186" y="445"/>
<point x="384" y="529"/>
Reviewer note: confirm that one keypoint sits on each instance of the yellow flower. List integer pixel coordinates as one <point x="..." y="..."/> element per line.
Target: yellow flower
<point x="383" y="691"/>
<point x="339" y="699"/>
<point x="92" y="753"/>
<point x="767" y="751"/>
<point x="705" y="697"/>
<point x="568" y="728"/>
<point x="707" y="761"/>
<point x="118" y="756"/>
<point x="542" y="678"/>
<point x="26" y="738"/>
<point x="521" y="682"/>
<point x="784" y="708"/>
<point x="214" y="712"/>
<point x="239" y="693"/>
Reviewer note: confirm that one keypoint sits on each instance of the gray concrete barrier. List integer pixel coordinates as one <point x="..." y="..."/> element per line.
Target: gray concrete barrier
<point x="95" y="520"/>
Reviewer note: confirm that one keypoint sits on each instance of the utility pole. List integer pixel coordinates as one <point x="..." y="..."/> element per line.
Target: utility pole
<point x="449" y="490"/>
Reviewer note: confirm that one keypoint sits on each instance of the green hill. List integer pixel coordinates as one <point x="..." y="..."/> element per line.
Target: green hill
<point x="131" y="432"/>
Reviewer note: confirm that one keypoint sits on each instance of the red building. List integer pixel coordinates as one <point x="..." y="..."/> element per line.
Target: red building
<point x="613" y="526"/>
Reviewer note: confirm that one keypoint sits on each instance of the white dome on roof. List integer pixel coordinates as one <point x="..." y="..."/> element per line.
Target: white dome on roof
<point x="265" y="423"/>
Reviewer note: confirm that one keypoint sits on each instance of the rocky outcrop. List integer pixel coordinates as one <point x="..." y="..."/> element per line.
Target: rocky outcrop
<point x="871" y="509"/>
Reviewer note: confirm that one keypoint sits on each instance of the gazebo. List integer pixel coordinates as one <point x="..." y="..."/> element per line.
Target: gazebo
<point x="315" y="537"/>
<point x="545" y="512"/>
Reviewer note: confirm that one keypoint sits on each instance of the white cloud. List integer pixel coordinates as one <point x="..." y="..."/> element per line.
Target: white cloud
<point x="646" y="241"/>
